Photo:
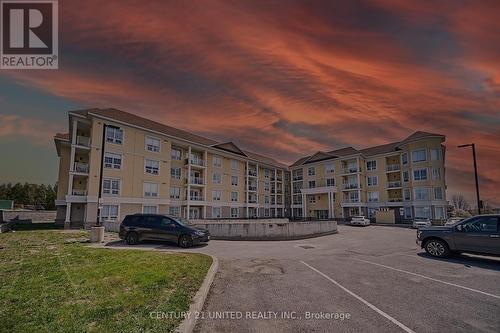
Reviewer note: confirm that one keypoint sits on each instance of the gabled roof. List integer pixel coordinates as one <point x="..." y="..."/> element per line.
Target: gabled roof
<point x="319" y="156"/>
<point x="371" y="151"/>
<point x="133" y="120"/>
<point x="230" y="147"/>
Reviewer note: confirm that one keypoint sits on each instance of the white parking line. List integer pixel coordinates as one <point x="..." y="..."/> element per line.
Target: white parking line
<point x="371" y="306"/>
<point x="429" y="278"/>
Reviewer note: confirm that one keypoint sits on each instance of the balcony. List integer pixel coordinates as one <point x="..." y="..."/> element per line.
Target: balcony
<point x="83" y="141"/>
<point x="252" y="188"/>
<point x="297" y="178"/>
<point x="350" y="186"/>
<point x="252" y="173"/>
<point x="196" y="181"/>
<point x="392" y="167"/>
<point x="80" y="193"/>
<point x="395" y="200"/>
<point x="81" y="167"/>
<point x="195" y="162"/>
<point x="252" y="200"/>
<point x="353" y="169"/>
<point x="351" y="200"/>
<point x="196" y="197"/>
<point x="395" y="184"/>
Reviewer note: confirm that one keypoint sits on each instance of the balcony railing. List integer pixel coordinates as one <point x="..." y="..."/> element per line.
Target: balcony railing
<point x="279" y="178"/>
<point x="393" y="167"/>
<point x="252" y="173"/>
<point x="79" y="192"/>
<point x="350" y="186"/>
<point x="295" y="178"/>
<point x="351" y="200"/>
<point x="252" y="200"/>
<point x="252" y="188"/>
<point x="81" y="167"/>
<point x="83" y="141"/>
<point x="195" y="161"/>
<point x="395" y="200"/>
<point x="352" y="170"/>
<point x="196" y="197"/>
<point x="196" y="181"/>
<point x="394" y="184"/>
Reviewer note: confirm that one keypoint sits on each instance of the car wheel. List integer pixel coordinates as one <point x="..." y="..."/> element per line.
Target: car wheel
<point x="185" y="241"/>
<point x="437" y="248"/>
<point x="132" y="238"/>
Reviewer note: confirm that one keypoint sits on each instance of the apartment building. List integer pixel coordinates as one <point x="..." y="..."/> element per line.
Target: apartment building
<point x="113" y="163"/>
<point x="407" y="177"/>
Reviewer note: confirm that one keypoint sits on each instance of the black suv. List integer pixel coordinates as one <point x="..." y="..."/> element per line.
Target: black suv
<point x="478" y="234"/>
<point x="138" y="227"/>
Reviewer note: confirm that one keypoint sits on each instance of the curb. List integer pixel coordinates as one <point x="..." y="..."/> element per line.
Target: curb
<point x="189" y="322"/>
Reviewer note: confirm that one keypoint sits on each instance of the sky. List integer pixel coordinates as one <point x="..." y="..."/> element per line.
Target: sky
<point x="282" y="78"/>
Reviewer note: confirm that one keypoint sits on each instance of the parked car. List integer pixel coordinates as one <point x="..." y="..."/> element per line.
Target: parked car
<point x="139" y="227"/>
<point x="453" y="220"/>
<point x="360" y="220"/>
<point x="479" y="234"/>
<point x="419" y="222"/>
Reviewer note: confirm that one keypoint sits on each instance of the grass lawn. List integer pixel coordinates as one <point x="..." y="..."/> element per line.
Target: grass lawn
<point x="50" y="284"/>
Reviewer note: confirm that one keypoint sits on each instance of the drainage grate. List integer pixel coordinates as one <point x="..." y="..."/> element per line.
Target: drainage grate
<point x="307" y="247"/>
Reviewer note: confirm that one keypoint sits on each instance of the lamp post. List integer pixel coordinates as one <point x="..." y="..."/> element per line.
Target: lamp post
<point x="475" y="174"/>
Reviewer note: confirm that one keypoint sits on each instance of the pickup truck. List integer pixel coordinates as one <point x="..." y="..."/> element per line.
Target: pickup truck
<point x="479" y="234"/>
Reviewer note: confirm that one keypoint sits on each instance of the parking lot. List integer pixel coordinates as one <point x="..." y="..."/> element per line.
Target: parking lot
<point x="361" y="279"/>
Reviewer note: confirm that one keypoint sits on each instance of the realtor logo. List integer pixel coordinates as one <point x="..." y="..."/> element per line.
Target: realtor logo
<point x="29" y="34"/>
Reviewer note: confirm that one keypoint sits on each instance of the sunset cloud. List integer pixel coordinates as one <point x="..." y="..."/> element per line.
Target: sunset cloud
<point x="289" y="78"/>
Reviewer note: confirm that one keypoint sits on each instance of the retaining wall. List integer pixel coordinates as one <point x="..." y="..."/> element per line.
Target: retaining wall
<point x="268" y="231"/>
<point x="34" y="215"/>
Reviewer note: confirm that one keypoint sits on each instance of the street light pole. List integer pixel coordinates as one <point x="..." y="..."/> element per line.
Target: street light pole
<point x="475" y="174"/>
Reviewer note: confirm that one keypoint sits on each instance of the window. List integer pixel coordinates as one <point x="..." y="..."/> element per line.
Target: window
<point x="371" y="165"/>
<point x="109" y="213"/>
<point x="420" y="174"/>
<point x="267" y="212"/>
<point x="216" y="178"/>
<point x="408" y="213"/>
<point x="216" y="195"/>
<point x="175" y="192"/>
<point x="329" y="168"/>
<point x="404" y="158"/>
<point x="152" y="167"/>
<point x="266" y="186"/>
<point x="311" y="171"/>
<point x="435" y="154"/>
<point x="176" y="154"/>
<point x="266" y="199"/>
<point x="216" y="212"/>
<point x="312" y="199"/>
<point x="267" y="173"/>
<point x="372" y="196"/>
<point x="175" y="173"/>
<point x="152" y="144"/>
<point x="439" y="213"/>
<point x="234" y="180"/>
<point x="418" y="155"/>
<point x="406" y="194"/>
<point x="312" y="184"/>
<point x="111" y="186"/>
<point x="234" y="196"/>
<point x="486" y="224"/>
<point x="406" y="176"/>
<point x="217" y="161"/>
<point x="423" y="212"/>
<point x="234" y="165"/>
<point x="372" y="180"/>
<point x="234" y="213"/>
<point x="436" y="173"/>
<point x="438" y="193"/>
<point x="175" y="211"/>
<point x="149" y="209"/>
<point x="421" y="193"/>
<point x="112" y="161"/>
<point x="151" y="190"/>
<point x="330" y="182"/>
<point x="114" y="135"/>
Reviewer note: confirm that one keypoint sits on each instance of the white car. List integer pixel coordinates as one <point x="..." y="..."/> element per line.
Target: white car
<point x="421" y="222"/>
<point x="360" y="220"/>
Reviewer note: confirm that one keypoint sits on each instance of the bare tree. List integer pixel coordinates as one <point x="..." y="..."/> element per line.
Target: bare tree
<point x="459" y="202"/>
